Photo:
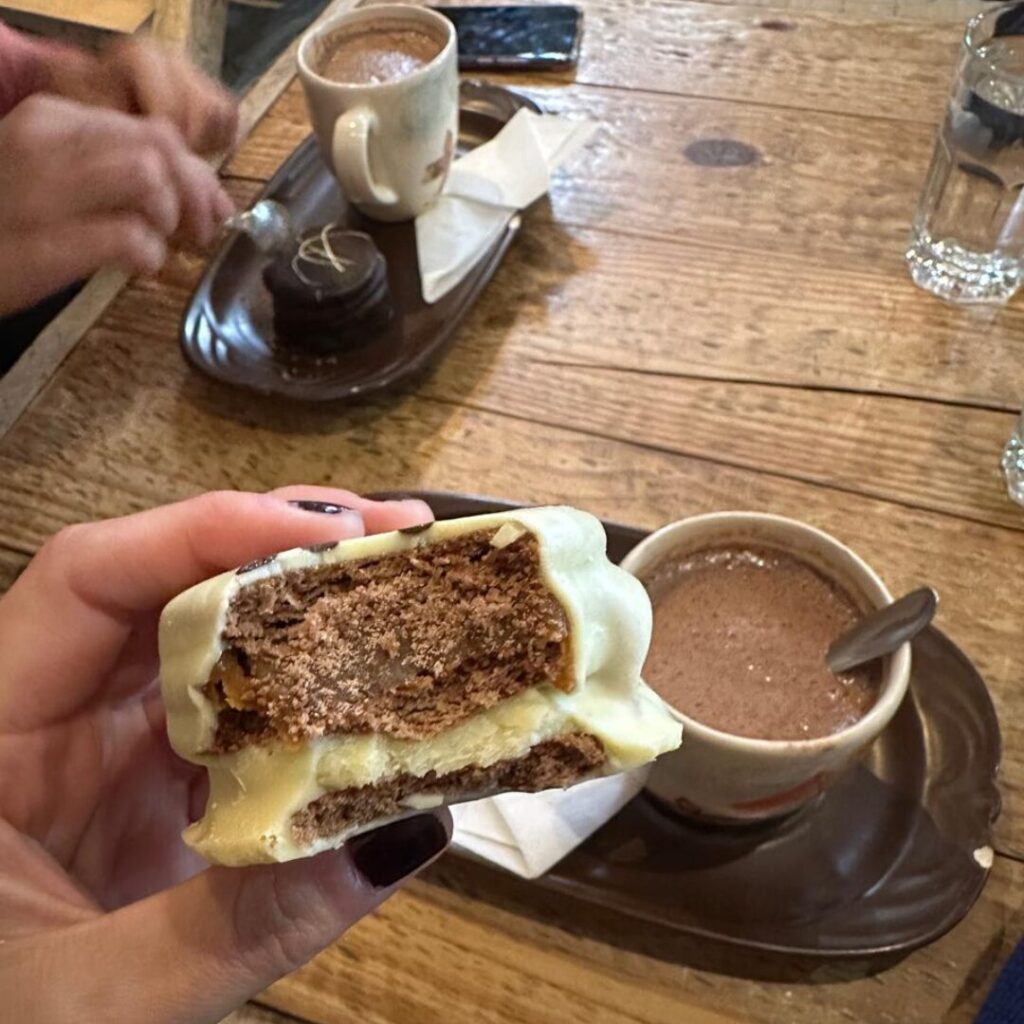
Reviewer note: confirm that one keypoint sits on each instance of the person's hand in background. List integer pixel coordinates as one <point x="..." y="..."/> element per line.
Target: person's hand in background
<point x="82" y="188"/>
<point x="103" y="915"/>
<point x="98" y="161"/>
<point x="142" y="76"/>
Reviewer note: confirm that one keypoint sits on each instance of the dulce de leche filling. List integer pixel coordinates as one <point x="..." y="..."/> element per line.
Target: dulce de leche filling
<point x="406" y="644"/>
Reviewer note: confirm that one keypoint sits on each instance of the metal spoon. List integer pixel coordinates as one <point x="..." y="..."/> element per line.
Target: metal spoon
<point x="267" y="223"/>
<point x="883" y="630"/>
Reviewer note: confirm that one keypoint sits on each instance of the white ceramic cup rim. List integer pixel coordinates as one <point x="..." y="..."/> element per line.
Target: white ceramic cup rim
<point x="382" y="13"/>
<point x="894" y="681"/>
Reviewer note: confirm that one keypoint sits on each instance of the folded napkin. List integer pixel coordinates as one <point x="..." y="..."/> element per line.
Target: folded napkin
<point x="484" y="190"/>
<point x="528" y="833"/>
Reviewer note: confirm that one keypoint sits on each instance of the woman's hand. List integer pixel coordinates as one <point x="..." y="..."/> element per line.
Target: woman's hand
<point x="103" y="915"/>
<point x="82" y="187"/>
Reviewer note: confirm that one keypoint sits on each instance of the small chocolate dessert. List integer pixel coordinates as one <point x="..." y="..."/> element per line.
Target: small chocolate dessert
<point x="330" y="293"/>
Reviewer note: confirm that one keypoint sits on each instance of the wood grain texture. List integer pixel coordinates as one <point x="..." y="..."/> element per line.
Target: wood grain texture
<point x="943" y="458"/>
<point x="127" y="425"/>
<point x="835" y="190"/>
<point x="253" y="1014"/>
<point x="810" y="60"/>
<point x="772" y="277"/>
<point x="510" y="955"/>
<point x="597" y="298"/>
<point x="196" y="26"/>
<point x="110" y="15"/>
<point x="669" y="335"/>
<point x="806" y="56"/>
<point x="954" y="12"/>
<point x="35" y="367"/>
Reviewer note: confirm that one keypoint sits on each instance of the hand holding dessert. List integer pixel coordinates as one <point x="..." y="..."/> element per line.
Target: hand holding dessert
<point x="96" y="888"/>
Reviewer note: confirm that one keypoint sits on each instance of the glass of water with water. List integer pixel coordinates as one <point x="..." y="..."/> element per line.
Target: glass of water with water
<point x="967" y="242"/>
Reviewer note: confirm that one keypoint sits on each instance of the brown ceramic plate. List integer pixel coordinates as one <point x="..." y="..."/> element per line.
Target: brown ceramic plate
<point x="888" y="859"/>
<point x="227" y="333"/>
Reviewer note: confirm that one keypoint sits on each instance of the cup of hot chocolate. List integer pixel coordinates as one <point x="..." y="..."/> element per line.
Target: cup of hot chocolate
<point x="745" y="606"/>
<point x="381" y="84"/>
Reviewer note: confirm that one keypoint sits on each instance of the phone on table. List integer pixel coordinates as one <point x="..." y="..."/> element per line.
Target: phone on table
<point x="544" y="36"/>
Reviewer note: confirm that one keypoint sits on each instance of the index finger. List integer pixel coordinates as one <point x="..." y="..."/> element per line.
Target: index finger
<point x="66" y="620"/>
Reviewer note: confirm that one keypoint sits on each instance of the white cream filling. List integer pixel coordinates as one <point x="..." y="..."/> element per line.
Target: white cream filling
<point x="255" y="792"/>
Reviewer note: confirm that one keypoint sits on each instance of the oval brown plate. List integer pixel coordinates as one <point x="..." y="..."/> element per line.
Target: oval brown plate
<point x="227" y="333"/>
<point x="883" y="862"/>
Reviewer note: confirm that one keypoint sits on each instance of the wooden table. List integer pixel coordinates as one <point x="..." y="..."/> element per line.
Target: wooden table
<point x="685" y="326"/>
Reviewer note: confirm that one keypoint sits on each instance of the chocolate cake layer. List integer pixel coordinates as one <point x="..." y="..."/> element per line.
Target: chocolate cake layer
<point x="406" y="644"/>
<point x="553" y="763"/>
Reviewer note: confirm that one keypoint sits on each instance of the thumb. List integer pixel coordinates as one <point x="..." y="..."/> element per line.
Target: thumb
<point x="193" y="953"/>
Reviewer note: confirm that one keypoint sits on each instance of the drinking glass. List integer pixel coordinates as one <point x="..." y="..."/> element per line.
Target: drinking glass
<point x="1013" y="463"/>
<point x="967" y="241"/>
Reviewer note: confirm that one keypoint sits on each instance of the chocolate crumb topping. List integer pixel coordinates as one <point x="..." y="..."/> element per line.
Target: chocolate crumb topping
<point x="405" y="644"/>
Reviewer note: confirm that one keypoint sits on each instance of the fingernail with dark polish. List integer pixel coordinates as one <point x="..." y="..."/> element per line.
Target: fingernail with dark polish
<point x="326" y="508"/>
<point x="390" y="853"/>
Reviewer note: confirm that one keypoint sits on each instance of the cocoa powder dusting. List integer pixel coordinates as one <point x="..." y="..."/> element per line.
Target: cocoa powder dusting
<point x="406" y="644"/>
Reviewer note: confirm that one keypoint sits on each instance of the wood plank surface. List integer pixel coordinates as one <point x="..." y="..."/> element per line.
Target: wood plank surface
<point x="810" y="60"/>
<point x="110" y="15"/>
<point x="253" y="1014"/>
<point x="127" y="425"/>
<point x="710" y="312"/>
<point x="512" y="955"/>
<point x="838" y="190"/>
<point x="954" y="12"/>
<point x="832" y="306"/>
<point x="803" y="55"/>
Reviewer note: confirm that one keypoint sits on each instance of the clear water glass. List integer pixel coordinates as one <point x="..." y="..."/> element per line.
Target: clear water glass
<point x="1013" y="462"/>
<point x="967" y="240"/>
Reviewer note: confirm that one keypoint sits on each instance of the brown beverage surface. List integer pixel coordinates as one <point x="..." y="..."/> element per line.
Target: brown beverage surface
<point x="740" y="635"/>
<point x="378" y="54"/>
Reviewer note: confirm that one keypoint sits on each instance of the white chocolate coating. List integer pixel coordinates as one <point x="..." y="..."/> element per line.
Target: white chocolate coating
<point x="255" y="792"/>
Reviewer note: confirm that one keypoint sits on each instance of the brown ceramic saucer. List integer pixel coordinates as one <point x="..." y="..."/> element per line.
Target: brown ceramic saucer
<point x="887" y="860"/>
<point x="227" y="332"/>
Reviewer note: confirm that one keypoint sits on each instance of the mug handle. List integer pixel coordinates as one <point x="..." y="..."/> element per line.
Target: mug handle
<point x="351" y="158"/>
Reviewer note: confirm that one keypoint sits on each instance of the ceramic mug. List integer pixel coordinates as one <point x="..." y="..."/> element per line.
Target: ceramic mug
<point x="390" y="143"/>
<point x="735" y="779"/>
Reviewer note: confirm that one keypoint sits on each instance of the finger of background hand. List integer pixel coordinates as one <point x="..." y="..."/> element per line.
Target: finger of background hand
<point x="138" y="181"/>
<point x="228" y="932"/>
<point x="149" y="74"/>
<point x="166" y="84"/>
<point x="379" y="516"/>
<point x="97" y="579"/>
<point x="204" y="203"/>
<point x="39" y="263"/>
<point x="213" y="112"/>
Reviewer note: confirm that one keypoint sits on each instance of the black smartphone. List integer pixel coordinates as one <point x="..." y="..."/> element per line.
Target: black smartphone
<point x="545" y="36"/>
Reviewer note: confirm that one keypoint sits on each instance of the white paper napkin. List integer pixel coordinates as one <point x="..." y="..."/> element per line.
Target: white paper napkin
<point x="484" y="190"/>
<point x="528" y="833"/>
